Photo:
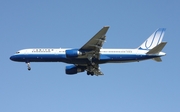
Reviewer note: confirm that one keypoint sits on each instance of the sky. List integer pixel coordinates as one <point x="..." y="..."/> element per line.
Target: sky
<point x="145" y="86"/>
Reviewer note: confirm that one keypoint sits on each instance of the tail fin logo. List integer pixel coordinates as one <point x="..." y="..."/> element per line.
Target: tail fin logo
<point x="153" y="40"/>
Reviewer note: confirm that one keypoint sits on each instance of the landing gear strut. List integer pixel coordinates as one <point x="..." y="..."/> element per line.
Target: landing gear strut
<point x="28" y="65"/>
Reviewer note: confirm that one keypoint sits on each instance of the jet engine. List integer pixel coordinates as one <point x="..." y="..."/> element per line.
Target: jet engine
<point x="73" y="53"/>
<point x="72" y="69"/>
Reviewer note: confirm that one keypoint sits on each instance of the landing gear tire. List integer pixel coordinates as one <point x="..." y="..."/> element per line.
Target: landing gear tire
<point x="90" y="73"/>
<point x="29" y="68"/>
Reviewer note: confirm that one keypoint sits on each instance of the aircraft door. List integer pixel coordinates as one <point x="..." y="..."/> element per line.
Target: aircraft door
<point x="138" y="55"/>
<point x="25" y="55"/>
<point x="56" y="53"/>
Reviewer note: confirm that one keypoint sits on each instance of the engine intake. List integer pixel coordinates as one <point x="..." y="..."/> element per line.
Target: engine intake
<point x="72" y="69"/>
<point x="73" y="53"/>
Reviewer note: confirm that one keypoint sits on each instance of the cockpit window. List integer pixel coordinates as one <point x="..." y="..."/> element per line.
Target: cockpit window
<point x="17" y="52"/>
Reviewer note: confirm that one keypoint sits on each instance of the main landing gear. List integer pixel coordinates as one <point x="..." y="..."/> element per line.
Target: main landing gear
<point x="90" y="73"/>
<point x="91" y="66"/>
<point x="28" y="65"/>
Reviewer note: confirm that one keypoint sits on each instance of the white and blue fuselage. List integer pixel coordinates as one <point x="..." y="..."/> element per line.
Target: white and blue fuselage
<point x="59" y="55"/>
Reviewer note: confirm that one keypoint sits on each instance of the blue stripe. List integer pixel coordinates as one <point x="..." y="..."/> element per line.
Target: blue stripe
<point x="104" y="58"/>
<point x="152" y="41"/>
<point x="163" y="29"/>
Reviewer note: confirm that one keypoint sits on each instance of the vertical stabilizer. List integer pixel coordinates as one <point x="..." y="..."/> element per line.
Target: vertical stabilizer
<point x="153" y="40"/>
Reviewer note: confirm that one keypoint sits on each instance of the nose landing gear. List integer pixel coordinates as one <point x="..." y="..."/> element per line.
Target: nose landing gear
<point x="28" y="65"/>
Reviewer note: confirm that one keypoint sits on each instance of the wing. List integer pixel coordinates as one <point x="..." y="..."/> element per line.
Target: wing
<point x="93" y="47"/>
<point x="96" y="42"/>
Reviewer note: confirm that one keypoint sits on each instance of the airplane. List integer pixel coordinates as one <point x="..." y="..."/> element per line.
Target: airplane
<point x="91" y="55"/>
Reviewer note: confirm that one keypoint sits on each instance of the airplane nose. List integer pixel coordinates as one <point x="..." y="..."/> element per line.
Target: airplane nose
<point x="12" y="58"/>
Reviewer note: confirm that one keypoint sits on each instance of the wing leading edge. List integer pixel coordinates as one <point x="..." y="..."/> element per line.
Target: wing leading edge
<point x="96" y="42"/>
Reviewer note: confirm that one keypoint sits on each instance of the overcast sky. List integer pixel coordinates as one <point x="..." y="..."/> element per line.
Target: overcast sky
<point x="146" y="86"/>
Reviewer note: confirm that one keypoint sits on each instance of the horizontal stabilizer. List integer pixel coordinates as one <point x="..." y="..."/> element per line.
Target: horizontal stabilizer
<point x="157" y="48"/>
<point x="158" y="59"/>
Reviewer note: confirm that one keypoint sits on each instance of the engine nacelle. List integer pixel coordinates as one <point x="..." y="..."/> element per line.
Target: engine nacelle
<point x="72" y="69"/>
<point x="73" y="53"/>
